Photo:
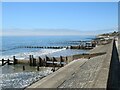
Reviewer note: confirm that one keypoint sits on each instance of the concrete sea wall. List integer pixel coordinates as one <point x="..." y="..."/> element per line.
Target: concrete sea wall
<point x="97" y="72"/>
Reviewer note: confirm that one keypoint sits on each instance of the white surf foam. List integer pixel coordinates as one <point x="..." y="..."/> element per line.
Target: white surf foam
<point x="22" y="79"/>
<point x="25" y="55"/>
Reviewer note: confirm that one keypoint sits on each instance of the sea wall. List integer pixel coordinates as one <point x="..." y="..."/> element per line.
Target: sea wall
<point x="109" y="74"/>
<point x="101" y="80"/>
<point x="96" y="72"/>
<point x="99" y="69"/>
<point x="114" y="69"/>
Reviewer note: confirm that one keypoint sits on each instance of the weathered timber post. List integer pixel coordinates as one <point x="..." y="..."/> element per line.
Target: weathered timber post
<point x="66" y="59"/>
<point x="45" y="61"/>
<point x="30" y="58"/>
<point x="14" y="60"/>
<point x="2" y="62"/>
<point x="23" y="68"/>
<point x="61" y="61"/>
<point x="34" y="61"/>
<point x="8" y="61"/>
<point x="83" y="55"/>
<point x="53" y="61"/>
<point x="89" y="57"/>
<point x="37" y="68"/>
<point x="53" y="69"/>
<point x="86" y="44"/>
<point x="40" y="61"/>
<point x="79" y="47"/>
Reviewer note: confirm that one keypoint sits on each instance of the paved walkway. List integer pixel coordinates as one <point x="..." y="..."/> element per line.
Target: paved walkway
<point x="82" y="73"/>
<point x="58" y="77"/>
<point x="85" y="76"/>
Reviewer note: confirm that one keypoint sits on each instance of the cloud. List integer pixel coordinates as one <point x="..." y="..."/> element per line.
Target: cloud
<point x="40" y="32"/>
<point x="53" y="32"/>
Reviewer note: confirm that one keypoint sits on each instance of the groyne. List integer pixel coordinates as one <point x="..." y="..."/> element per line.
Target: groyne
<point x="86" y="47"/>
<point x="95" y="72"/>
<point x="48" y="61"/>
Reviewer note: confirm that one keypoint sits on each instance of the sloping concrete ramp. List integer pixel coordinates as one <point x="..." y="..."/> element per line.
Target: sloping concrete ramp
<point x="97" y="72"/>
<point x="59" y="77"/>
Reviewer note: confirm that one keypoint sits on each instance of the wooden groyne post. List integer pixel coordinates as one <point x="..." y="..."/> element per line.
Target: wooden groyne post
<point x="30" y="59"/>
<point x="14" y="60"/>
<point x="66" y="59"/>
<point x="40" y="61"/>
<point x="23" y="68"/>
<point x="37" y="68"/>
<point x="3" y="62"/>
<point x="53" y="69"/>
<point x="45" y="61"/>
<point x="61" y="60"/>
<point x="8" y="61"/>
<point x="34" y="61"/>
<point x="53" y="61"/>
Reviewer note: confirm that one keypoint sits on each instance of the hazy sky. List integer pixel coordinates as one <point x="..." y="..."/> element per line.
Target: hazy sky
<point x="38" y="18"/>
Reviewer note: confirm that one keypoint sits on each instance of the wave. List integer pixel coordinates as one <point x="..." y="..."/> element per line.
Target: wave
<point x="25" y="55"/>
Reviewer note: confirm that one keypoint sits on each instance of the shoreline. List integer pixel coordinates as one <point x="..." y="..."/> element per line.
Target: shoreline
<point x="19" y="69"/>
<point x="45" y="81"/>
<point x="82" y="55"/>
<point x="50" y="83"/>
<point x="91" y="52"/>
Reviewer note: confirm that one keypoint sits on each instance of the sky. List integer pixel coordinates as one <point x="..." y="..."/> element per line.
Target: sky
<point x="58" y="18"/>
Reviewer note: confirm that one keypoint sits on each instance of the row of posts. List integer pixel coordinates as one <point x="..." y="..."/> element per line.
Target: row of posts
<point x="8" y="61"/>
<point x="33" y="62"/>
<point x="43" y="62"/>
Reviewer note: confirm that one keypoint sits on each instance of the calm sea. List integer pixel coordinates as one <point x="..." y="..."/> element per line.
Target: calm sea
<point x="10" y="45"/>
<point x="12" y="76"/>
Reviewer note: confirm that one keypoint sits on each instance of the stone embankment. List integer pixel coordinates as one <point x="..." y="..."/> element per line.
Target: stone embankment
<point x="96" y="72"/>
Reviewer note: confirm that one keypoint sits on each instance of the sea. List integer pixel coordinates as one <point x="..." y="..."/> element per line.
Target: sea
<point x="16" y="78"/>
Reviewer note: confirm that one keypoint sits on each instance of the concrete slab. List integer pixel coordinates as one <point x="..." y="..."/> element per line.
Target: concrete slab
<point x="57" y="78"/>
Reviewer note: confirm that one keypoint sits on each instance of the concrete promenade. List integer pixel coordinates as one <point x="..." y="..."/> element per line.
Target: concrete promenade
<point x="96" y="72"/>
<point x="58" y="77"/>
